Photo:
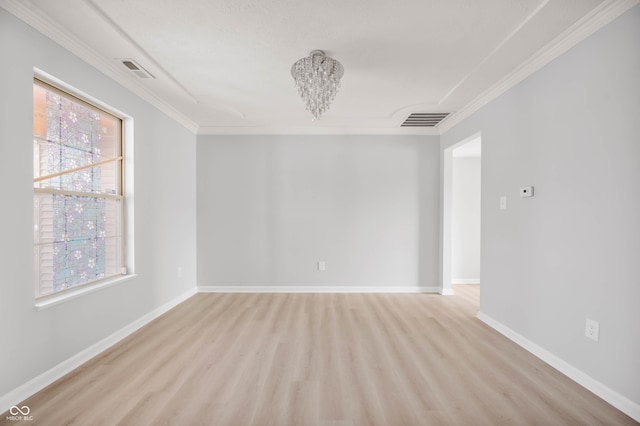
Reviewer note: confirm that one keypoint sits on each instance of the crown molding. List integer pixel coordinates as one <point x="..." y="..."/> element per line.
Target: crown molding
<point x="592" y="22"/>
<point x="496" y="49"/>
<point x="311" y="130"/>
<point x="64" y="38"/>
<point x="589" y="24"/>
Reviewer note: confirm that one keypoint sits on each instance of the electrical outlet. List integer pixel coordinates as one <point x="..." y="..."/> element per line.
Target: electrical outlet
<point x="503" y="202"/>
<point x="321" y="265"/>
<point x="592" y="329"/>
<point x="179" y="271"/>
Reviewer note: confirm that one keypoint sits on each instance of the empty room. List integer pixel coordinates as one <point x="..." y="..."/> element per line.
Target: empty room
<point x="233" y="212"/>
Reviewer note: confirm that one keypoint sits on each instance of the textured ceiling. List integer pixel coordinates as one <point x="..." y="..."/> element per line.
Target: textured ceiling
<point x="225" y="65"/>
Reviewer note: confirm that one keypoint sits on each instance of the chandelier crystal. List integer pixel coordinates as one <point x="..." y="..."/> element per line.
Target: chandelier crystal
<point x="317" y="78"/>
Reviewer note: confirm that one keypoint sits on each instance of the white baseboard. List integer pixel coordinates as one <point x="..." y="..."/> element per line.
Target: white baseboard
<point x="446" y="291"/>
<point x="45" y="379"/>
<point x="622" y="403"/>
<point x="314" y="289"/>
<point x="465" y="281"/>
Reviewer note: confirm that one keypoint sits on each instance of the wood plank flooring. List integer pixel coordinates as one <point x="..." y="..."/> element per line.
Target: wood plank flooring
<point x="319" y="359"/>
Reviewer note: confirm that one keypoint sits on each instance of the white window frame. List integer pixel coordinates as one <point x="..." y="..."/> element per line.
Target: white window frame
<point x="125" y="186"/>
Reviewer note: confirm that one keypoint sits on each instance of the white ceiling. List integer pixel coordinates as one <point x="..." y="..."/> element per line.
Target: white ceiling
<point x="223" y="66"/>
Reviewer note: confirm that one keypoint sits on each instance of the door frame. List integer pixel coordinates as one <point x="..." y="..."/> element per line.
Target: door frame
<point x="446" y="226"/>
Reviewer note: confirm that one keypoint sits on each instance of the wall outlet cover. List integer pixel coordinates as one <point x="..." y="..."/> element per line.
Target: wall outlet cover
<point x="592" y="329"/>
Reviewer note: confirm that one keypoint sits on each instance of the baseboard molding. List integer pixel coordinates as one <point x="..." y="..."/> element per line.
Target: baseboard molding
<point x="447" y="292"/>
<point x="465" y="281"/>
<point x="45" y="379"/>
<point x="622" y="403"/>
<point x="314" y="289"/>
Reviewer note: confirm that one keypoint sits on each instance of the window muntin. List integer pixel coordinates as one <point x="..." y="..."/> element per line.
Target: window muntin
<point x="78" y="197"/>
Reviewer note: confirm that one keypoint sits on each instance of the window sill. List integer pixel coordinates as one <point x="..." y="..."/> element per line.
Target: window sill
<point x="73" y="294"/>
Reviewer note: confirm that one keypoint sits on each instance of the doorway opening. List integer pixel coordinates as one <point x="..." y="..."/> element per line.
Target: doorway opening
<point x="461" y="214"/>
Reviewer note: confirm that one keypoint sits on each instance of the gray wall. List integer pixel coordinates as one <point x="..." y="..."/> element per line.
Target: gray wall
<point x="271" y="207"/>
<point x="571" y="252"/>
<point x="465" y="220"/>
<point x="164" y="197"/>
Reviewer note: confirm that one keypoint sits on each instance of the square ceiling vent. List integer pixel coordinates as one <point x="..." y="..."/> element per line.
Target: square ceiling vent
<point x="424" y="119"/>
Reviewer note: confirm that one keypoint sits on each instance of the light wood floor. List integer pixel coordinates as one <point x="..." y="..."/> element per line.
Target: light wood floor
<point x="319" y="359"/>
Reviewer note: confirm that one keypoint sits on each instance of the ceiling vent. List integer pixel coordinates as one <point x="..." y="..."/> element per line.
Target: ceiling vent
<point x="135" y="68"/>
<point x="424" y="119"/>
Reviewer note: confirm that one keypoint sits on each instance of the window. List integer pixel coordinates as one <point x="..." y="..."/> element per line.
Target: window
<point x="78" y="197"/>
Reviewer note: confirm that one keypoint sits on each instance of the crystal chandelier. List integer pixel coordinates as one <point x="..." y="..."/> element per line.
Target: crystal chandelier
<point x="317" y="79"/>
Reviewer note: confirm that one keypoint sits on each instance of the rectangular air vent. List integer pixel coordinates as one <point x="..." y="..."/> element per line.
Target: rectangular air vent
<point x="135" y="68"/>
<point x="424" y="119"/>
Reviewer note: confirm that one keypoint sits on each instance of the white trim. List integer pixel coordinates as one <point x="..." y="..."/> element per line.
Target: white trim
<point x="589" y="24"/>
<point x="45" y="379"/>
<point x="496" y="49"/>
<point x="323" y="129"/>
<point x="73" y="44"/>
<point x="612" y="397"/>
<point x="56" y="299"/>
<point x="313" y="289"/>
<point x="63" y="86"/>
<point x="457" y="281"/>
<point x="446" y="212"/>
<point x="445" y="252"/>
